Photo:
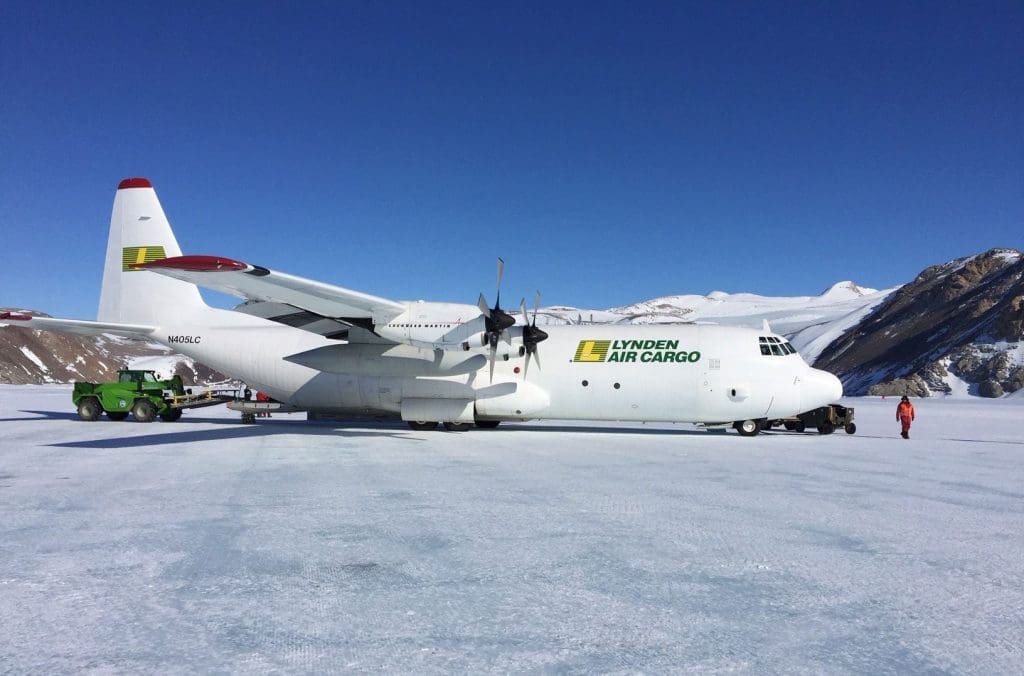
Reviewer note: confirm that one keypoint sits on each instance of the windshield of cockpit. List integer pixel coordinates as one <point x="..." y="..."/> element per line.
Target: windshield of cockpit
<point x="775" y="346"/>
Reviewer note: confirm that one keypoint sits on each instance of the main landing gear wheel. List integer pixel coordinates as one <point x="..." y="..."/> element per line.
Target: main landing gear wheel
<point x="248" y="418"/>
<point x="171" y="416"/>
<point x="456" y="426"/>
<point x="747" y="428"/>
<point x="144" y="411"/>
<point x="117" y="415"/>
<point x="89" y="409"/>
<point x="422" y="425"/>
<point x="487" y="424"/>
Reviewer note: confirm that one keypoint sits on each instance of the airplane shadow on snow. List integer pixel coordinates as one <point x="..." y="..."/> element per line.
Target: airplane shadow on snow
<point x="181" y="432"/>
<point x="527" y="427"/>
<point x="397" y="429"/>
<point x="232" y="429"/>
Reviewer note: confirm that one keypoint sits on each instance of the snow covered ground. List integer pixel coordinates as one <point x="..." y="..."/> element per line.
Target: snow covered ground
<point x="206" y="545"/>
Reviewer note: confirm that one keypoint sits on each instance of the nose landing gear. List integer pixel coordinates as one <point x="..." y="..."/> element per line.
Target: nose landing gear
<point x="748" y="428"/>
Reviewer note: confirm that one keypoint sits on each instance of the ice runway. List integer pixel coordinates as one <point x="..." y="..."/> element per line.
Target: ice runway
<point x="206" y="545"/>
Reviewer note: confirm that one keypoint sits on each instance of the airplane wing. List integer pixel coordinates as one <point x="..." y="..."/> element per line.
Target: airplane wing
<point x="76" y="326"/>
<point x="283" y="313"/>
<point x="253" y="282"/>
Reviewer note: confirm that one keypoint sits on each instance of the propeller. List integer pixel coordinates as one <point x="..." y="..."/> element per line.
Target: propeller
<point x="531" y="334"/>
<point x="496" y="320"/>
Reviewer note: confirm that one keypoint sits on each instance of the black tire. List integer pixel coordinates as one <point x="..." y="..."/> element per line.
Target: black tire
<point x="790" y="426"/>
<point x="851" y="428"/>
<point x="144" y="411"/>
<point x="248" y="418"/>
<point x="117" y="415"/>
<point x="799" y="426"/>
<point x="487" y="424"/>
<point x="89" y="409"/>
<point x="171" y="416"/>
<point x="423" y="425"/>
<point x="826" y="428"/>
<point x="456" y="426"/>
<point x="747" y="428"/>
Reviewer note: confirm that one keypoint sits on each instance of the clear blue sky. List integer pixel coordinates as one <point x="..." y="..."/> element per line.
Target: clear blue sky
<point x="610" y="152"/>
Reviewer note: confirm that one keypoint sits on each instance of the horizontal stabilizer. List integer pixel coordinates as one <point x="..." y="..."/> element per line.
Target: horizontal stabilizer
<point x="79" y="327"/>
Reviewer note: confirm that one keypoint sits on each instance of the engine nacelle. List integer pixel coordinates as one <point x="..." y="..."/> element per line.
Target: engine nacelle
<point x="444" y="326"/>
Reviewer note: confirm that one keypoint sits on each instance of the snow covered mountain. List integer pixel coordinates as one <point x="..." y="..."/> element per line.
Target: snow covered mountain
<point x="956" y="329"/>
<point x="811" y="322"/>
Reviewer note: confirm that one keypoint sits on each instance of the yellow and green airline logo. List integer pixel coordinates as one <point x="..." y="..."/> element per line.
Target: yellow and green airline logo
<point x="592" y="350"/>
<point x="632" y="351"/>
<point x="136" y="255"/>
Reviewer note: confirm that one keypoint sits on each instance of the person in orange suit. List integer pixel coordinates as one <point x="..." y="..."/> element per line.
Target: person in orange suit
<point x="262" y="396"/>
<point x="905" y="415"/>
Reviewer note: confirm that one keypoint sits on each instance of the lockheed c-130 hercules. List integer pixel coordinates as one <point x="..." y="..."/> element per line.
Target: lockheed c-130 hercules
<point x="322" y="348"/>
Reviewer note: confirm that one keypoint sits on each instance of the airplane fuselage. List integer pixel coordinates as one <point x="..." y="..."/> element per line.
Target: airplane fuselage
<point x="675" y="373"/>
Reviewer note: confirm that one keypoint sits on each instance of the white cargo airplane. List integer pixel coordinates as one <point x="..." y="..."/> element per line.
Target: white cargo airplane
<point x="323" y="348"/>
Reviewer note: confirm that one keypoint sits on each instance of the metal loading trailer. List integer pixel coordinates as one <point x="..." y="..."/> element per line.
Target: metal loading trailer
<point x="826" y="419"/>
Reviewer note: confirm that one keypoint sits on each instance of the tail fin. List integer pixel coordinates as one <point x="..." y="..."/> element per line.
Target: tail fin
<point x="139" y="232"/>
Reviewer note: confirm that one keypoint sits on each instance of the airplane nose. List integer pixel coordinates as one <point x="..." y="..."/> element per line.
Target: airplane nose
<point x="820" y="388"/>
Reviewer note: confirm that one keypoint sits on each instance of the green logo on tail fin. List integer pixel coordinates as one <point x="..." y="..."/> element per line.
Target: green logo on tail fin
<point x="135" y="255"/>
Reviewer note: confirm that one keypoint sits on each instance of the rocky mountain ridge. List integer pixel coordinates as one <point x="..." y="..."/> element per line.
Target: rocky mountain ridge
<point x="37" y="357"/>
<point x="956" y="328"/>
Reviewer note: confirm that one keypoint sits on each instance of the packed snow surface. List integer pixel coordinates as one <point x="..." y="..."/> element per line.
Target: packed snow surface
<point x="210" y="546"/>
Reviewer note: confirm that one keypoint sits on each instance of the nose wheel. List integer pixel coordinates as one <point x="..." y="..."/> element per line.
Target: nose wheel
<point x="747" y="428"/>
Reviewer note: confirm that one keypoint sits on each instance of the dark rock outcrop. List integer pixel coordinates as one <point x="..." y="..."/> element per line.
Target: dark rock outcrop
<point x="957" y="318"/>
<point x="36" y="357"/>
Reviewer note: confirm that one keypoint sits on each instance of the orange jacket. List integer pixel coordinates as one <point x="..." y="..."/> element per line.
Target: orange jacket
<point x="905" y="410"/>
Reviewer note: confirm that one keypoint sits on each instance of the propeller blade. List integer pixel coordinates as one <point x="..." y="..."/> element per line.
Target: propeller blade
<point x="536" y="306"/>
<point x="501" y="273"/>
<point x="482" y="304"/>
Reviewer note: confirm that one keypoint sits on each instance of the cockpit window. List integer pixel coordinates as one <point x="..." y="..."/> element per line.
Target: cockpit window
<point x="775" y="346"/>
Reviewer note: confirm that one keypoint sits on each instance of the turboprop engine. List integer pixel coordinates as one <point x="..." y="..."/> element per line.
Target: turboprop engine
<point x="451" y="326"/>
<point x="441" y="326"/>
<point x="463" y="327"/>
